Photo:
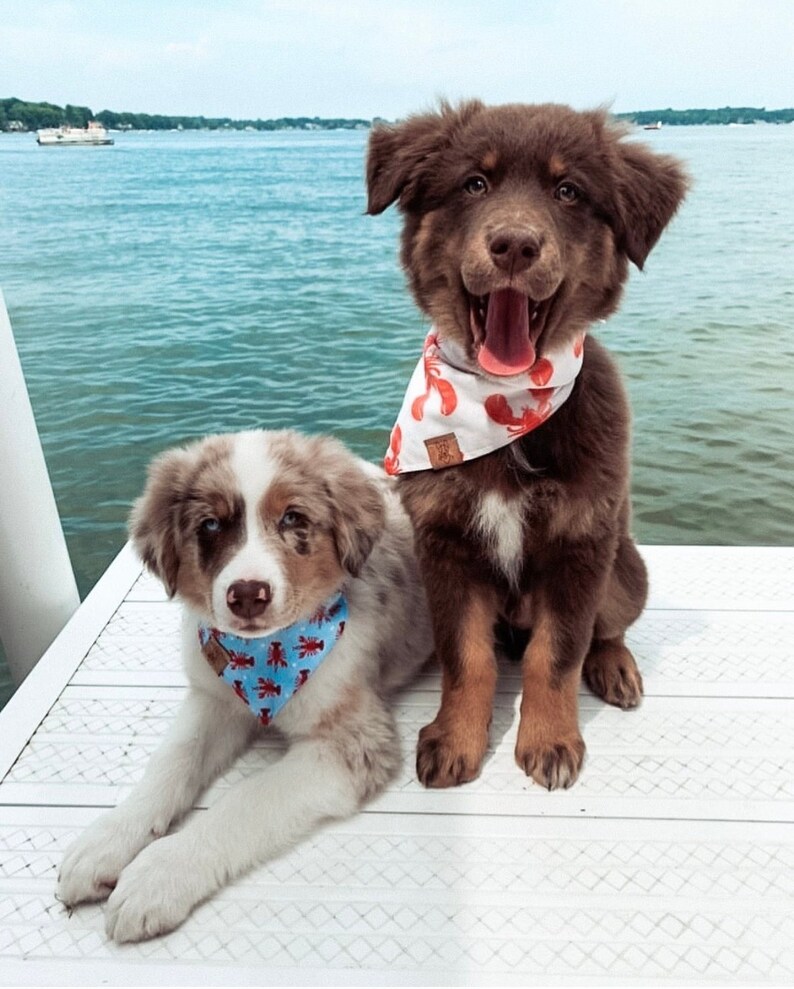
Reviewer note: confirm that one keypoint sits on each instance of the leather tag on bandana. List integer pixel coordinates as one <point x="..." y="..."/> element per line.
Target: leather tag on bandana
<point x="217" y="656"/>
<point x="443" y="451"/>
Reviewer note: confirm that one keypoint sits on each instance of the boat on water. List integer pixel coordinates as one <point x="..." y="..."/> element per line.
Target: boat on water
<point x="93" y="134"/>
<point x="656" y="126"/>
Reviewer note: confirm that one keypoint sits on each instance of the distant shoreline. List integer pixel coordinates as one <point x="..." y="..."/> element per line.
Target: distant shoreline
<point x="23" y="117"/>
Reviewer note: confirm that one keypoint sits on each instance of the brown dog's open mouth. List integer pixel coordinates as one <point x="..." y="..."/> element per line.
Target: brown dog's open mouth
<point x="505" y="327"/>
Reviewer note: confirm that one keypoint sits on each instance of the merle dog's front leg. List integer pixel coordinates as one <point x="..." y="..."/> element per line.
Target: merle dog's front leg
<point x="326" y="776"/>
<point x="207" y="733"/>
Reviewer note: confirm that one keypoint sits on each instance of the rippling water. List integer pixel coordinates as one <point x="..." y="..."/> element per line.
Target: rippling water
<point x="179" y="284"/>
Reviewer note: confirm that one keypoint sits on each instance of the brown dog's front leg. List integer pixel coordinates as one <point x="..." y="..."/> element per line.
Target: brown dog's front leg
<point x="549" y="747"/>
<point x="451" y="748"/>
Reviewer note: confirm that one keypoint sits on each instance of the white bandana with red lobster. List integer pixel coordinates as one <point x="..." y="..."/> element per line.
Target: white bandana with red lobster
<point x="452" y="413"/>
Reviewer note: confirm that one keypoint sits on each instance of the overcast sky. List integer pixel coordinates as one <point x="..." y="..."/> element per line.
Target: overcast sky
<point x="365" y="58"/>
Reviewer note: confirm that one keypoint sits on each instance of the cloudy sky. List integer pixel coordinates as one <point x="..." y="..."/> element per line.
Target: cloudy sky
<point x="363" y="58"/>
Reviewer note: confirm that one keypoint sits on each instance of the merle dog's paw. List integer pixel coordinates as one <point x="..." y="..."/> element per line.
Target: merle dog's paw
<point x="94" y="861"/>
<point x="156" y="891"/>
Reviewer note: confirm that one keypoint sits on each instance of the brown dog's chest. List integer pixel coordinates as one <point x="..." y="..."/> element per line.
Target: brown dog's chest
<point x="507" y="516"/>
<point x="498" y="525"/>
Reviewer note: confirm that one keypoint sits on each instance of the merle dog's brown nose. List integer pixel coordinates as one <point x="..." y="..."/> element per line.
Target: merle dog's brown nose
<point x="514" y="250"/>
<point x="248" y="598"/>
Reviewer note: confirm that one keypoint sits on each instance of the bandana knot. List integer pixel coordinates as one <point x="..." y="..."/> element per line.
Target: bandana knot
<point x="452" y="413"/>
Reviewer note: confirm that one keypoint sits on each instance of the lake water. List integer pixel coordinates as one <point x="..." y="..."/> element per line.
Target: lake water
<point x="184" y="283"/>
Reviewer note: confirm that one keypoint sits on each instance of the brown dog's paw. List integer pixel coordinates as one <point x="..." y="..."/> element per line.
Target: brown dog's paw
<point x="611" y="674"/>
<point x="443" y="759"/>
<point x="555" y="765"/>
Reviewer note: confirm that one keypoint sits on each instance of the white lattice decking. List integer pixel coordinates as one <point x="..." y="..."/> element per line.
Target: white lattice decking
<point x="672" y="859"/>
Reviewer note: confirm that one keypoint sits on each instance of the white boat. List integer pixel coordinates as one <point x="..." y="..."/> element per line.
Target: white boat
<point x="93" y="134"/>
<point x="656" y="126"/>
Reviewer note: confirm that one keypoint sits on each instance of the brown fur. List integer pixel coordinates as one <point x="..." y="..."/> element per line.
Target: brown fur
<point x="579" y="575"/>
<point x="185" y="486"/>
<point x="307" y="550"/>
<point x="452" y="747"/>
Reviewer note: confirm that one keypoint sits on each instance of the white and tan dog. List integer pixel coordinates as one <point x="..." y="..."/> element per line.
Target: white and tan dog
<point x="253" y="532"/>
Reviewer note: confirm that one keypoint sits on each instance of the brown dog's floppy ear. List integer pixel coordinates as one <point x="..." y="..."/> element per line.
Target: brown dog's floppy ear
<point x="397" y="153"/>
<point x="153" y="520"/>
<point x="650" y="188"/>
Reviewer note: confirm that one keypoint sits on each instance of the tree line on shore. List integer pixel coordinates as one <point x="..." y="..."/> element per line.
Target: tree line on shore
<point x="724" y="115"/>
<point x="18" y="115"/>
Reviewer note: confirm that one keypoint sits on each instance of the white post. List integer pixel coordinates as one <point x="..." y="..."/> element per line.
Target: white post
<point x="38" y="593"/>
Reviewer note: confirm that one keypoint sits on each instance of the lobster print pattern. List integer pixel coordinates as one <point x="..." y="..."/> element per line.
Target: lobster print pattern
<point x="452" y="413"/>
<point x="267" y="670"/>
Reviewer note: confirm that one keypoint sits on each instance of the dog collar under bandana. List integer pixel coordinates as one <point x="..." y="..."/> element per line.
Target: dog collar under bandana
<point x="266" y="671"/>
<point x="451" y="413"/>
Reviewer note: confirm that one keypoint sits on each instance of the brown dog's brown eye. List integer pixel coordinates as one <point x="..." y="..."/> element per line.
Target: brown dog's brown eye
<point x="475" y="185"/>
<point x="567" y="192"/>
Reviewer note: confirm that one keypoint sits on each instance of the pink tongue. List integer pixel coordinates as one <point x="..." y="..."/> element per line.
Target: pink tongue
<point x="507" y="348"/>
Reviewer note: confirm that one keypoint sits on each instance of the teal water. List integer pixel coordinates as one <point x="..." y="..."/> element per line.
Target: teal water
<point x="179" y="284"/>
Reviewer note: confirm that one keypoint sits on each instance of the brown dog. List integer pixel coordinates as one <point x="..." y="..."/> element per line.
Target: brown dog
<point x="545" y="205"/>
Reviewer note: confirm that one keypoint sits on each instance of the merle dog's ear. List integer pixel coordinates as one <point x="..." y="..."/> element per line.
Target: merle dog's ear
<point x="398" y="153"/>
<point x="354" y="498"/>
<point x="153" y="524"/>
<point x="649" y="189"/>
<point x="359" y="517"/>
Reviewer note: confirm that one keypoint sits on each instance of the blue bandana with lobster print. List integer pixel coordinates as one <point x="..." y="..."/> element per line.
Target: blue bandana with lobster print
<point x="266" y="671"/>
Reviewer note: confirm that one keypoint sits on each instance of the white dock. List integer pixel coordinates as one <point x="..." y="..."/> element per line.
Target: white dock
<point x="670" y="861"/>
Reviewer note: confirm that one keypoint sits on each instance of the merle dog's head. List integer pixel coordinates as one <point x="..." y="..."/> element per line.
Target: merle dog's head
<point x="520" y="220"/>
<point x="254" y="530"/>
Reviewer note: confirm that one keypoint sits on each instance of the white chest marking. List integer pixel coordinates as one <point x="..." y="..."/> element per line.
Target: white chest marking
<point x="499" y="523"/>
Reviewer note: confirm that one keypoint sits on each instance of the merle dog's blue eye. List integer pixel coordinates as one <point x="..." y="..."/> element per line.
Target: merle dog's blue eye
<point x="292" y="520"/>
<point x="210" y="525"/>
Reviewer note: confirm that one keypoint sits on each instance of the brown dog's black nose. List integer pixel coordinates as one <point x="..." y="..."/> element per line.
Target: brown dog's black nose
<point x="248" y="598"/>
<point x="514" y="250"/>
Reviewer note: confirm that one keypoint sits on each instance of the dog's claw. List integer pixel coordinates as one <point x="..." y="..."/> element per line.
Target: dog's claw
<point x="555" y="766"/>
<point x="611" y="673"/>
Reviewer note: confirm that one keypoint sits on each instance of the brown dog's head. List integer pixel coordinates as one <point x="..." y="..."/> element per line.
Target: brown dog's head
<point x="256" y="529"/>
<point x="520" y="220"/>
